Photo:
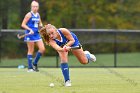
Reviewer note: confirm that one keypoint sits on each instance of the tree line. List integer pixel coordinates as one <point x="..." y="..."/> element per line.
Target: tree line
<point x="106" y="14"/>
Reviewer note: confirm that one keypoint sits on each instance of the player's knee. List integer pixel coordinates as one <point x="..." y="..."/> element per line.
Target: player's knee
<point x="42" y="50"/>
<point x="30" y="51"/>
<point x="84" y="61"/>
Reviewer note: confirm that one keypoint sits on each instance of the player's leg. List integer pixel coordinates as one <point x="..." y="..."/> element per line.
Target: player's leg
<point x="30" y="46"/>
<point x="79" y="53"/>
<point x="83" y="56"/>
<point x="41" y="50"/>
<point x="65" y="67"/>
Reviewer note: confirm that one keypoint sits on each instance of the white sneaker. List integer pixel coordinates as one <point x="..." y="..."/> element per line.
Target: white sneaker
<point x="92" y="57"/>
<point x="30" y="70"/>
<point x="68" y="83"/>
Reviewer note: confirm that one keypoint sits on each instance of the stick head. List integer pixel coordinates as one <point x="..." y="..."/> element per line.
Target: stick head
<point x="18" y="36"/>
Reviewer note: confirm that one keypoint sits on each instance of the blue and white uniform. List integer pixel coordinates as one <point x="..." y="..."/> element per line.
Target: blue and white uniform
<point x="33" y="24"/>
<point x="64" y="40"/>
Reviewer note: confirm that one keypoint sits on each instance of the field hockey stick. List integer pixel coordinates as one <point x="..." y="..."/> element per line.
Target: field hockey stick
<point x="77" y="47"/>
<point x="22" y="36"/>
<point x="71" y="48"/>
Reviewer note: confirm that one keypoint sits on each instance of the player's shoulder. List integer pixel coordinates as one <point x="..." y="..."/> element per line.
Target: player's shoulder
<point x="28" y="14"/>
<point x="64" y="31"/>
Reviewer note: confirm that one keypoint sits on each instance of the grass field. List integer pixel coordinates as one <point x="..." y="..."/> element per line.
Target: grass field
<point x="123" y="59"/>
<point x="84" y="80"/>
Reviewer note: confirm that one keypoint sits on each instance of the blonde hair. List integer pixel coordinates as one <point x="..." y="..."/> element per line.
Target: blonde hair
<point x="50" y="26"/>
<point x="34" y="2"/>
<point x="44" y="32"/>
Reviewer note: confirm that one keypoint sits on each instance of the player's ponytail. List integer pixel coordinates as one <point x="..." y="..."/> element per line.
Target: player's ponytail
<point x="44" y="34"/>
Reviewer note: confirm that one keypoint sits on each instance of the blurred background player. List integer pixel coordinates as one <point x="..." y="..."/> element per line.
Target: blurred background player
<point x="31" y="24"/>
<point x="62" y="39"/>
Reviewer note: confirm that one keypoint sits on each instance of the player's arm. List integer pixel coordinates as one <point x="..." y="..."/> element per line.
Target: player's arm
<point x="24" y="22"/>
<point x="55" y="46"/>
<point x="68" y="35"/>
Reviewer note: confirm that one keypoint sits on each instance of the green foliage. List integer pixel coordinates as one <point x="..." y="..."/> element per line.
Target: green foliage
<point x="116" y="14"/>
<point x="104" y="14"/>
<point x="11" y="47"/>
<point x="94" y="13"/>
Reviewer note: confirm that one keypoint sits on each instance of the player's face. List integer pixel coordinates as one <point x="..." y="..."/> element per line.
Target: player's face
<point x="52" y="33"/>
<point x="35" y="7"/>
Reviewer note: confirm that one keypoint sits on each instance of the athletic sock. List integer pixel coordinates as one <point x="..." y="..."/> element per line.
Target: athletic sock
<point x="38" y="55"/>
<point x="29" y="57"/>
<point x="65" y="71"/>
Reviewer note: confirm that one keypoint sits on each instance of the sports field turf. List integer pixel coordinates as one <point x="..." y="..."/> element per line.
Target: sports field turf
<point x="84" y="80"/>
<point x="123" y="59"/>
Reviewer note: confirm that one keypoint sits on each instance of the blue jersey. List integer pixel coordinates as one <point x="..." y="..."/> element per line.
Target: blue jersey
<point x="64" y="40"/>
<point x="33" y="24"/>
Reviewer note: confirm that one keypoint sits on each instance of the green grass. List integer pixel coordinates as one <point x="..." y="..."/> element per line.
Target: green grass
<point x="84" y="80"/>
<point x="123" y="59"/>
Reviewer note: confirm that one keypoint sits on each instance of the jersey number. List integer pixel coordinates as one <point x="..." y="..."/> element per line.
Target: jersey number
<point x="36" y="24"/>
